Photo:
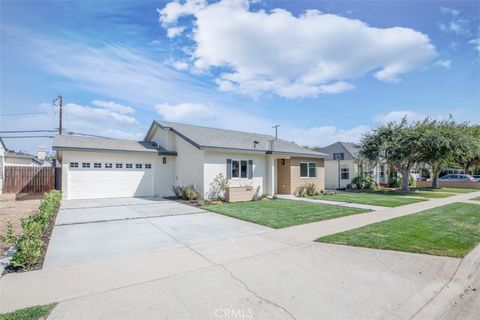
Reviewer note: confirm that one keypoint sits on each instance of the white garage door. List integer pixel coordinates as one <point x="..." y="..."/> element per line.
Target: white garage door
<point x="106" y="182"/>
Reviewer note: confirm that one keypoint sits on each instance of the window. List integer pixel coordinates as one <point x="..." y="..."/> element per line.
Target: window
<point x="138" y="166"/>
<point x="312" y="170"/>
<point x="108" y="166"/>
<point x="308" y="169"/>
<point x="118" y="165"/>
<point x="148" y="166"/>
<point x="129" y="166"/>
<point x="73" y="164"/>
<point x="235" y="169"/>
<point x="239" y="169"/>
<point x="243" y="168"/>
<point x="97" y="165"/>
<point x="85" y="165"/>
<point x="344" y="174"/>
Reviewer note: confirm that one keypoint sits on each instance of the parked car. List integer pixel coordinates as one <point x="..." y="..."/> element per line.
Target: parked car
<point x="476" y="176"/>
<point x="458" y="177"/>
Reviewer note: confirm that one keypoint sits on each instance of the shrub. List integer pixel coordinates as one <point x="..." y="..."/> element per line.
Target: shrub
<point x="364" y="182"/>
<point x="190" y="193"/>
<point x="29" y="244"/>
<point x="9" y="237"/>
<point x="307" y="190"/>
<point x="218" y="188"/>
<point x="177" y="190"/>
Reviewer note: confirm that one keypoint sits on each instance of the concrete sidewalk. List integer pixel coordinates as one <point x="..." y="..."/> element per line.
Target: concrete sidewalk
<point x="334" y="203"/>
<point x="276" y="274"/>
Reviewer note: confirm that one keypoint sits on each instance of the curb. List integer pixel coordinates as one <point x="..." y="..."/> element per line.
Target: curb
<point x="446" y="298"/>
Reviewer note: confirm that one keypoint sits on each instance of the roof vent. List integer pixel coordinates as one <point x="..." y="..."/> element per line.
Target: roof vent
<point x="255" y="142"/>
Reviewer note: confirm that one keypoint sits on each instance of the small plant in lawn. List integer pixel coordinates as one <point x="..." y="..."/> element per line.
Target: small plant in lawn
<point x="307" y="190"/>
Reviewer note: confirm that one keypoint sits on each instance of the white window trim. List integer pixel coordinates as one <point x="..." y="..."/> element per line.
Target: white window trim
<point x="308" y="170"/>
<point x="239" y="169"/>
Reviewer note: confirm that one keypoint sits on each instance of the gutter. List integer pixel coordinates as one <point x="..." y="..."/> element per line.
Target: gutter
<point x="159" y="152"/>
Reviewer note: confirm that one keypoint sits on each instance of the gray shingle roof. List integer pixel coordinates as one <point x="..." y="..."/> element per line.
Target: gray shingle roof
<point x="71" y="142"/>
<point x="22" y="155"/>
<point x="205" y="137"/>
<point x="349" y="149"/>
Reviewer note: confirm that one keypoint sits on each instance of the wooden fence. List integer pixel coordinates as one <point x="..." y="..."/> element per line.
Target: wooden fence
<point x="19" y="179"/>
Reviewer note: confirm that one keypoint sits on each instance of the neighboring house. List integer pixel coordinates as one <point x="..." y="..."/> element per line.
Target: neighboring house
<point x="13" y="158"/>
<point x="180" y="154"/>
<point x="3" y="149"/>
<point x="339" y="173"/>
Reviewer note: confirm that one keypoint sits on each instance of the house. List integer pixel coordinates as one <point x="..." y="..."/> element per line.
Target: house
<point x="180" y="154"/>
<point x="3" y="149"/>
<point x="343" y="164"/>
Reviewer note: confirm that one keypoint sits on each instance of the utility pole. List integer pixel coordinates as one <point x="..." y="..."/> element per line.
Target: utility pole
<point x="60" y="118"/>
<point x="276" y="130"/>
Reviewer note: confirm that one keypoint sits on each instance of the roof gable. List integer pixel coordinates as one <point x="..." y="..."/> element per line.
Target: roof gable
<point x="350" y="150"/>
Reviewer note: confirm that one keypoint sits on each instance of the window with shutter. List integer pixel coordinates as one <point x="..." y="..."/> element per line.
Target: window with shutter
<point x="229" y="168"/>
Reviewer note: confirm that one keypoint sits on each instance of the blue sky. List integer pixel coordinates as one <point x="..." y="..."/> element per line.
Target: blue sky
<point x="323" y="70"/>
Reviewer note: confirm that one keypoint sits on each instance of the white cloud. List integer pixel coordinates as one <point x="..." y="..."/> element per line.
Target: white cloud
<point x="117" y="107"/>
<point x="185" y="111"/>
<point x="444" y="63"/>
<point x="180" y="65"/>
<point x="453" y="23"/>
<point x="396" y="116"/>
<point x="291" y="56"/>
<point x="174" y="31"/>
<point x="119" y="72"/>
<point x="476" y="43"/>
<point x="323" y="136"/>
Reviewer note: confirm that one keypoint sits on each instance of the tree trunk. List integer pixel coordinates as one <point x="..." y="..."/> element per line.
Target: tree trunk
<point x="405" y="178"/>
<point x="435" y="174"/>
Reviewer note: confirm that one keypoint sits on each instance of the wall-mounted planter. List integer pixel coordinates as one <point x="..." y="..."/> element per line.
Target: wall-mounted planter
<point x="236" y="194"/>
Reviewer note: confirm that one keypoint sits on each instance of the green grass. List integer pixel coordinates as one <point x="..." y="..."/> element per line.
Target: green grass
<point x="451" y="230"/>
<point x="422" y="194"/>
<point x="476" y="198"/>
<point x="386" y="200"/>
<point x="31" y="313"/>
<point x="281" y="213"/>
<point x="452" y="190"/>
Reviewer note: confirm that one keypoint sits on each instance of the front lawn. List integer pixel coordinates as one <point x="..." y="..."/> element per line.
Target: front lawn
<point x="422" y="194"/>
<point x="31" y="313"/>
<point x="385" y="200"/>
<point x="281" y="213"/>
<point x="451" y="230"/>
<point x="476" y="198"/>
<point x="452" y="190"/>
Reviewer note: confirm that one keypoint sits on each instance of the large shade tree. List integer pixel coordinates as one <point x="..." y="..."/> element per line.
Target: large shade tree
<point x="397" y="143"/>
<point x="443" y="145"/>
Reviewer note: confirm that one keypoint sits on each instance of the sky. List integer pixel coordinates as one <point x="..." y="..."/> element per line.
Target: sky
<point x="325" y="71"/>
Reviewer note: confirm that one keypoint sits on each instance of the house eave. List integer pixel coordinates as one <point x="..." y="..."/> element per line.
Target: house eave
<point x="166" y="153"/>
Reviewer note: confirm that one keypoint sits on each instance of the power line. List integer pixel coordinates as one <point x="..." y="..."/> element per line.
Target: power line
<point x="21" y="137"/>
<point x="22" y="114"/>
<point x="27" y="131"/>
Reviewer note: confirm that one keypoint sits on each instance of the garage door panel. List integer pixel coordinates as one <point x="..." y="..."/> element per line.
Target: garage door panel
<point x="102" y="183"/>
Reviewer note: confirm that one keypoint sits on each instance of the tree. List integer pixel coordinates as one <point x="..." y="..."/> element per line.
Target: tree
<point x="443" y="144"/>
<point x="471" y="157"/>
<point x="397" y="143"/>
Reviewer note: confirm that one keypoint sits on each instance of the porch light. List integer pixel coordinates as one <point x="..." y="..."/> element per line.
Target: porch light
<point x="164" y="160"/>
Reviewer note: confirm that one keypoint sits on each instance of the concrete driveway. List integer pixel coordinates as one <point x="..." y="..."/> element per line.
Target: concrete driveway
<point x="95" y="229"/>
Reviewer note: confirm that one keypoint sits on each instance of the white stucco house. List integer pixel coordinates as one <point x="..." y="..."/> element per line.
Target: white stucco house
<point x="181" y="154"/>
<point x="339" y="173"/>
